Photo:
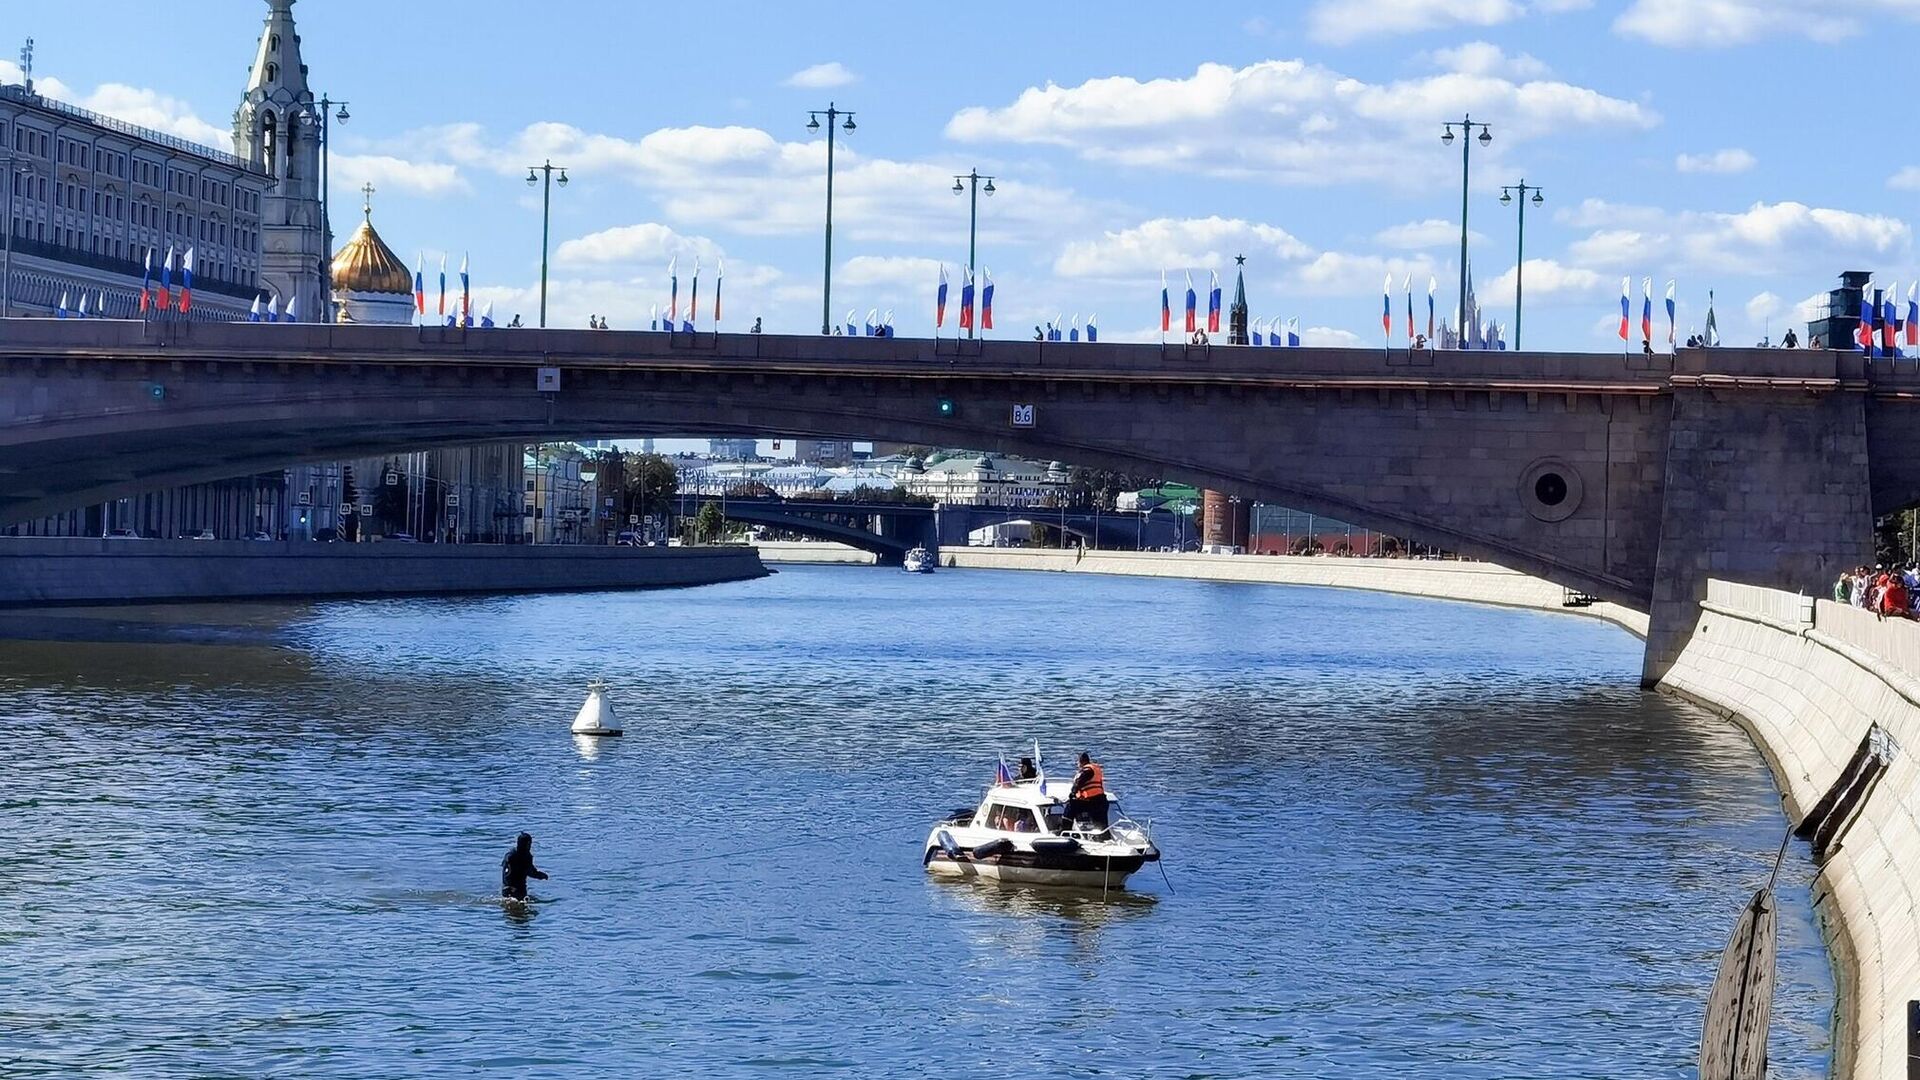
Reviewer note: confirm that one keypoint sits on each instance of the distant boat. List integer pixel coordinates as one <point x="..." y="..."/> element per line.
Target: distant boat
<point x="1021" y="833"/>
<point x="919" y="561"/>
<point x="596" y="716"/>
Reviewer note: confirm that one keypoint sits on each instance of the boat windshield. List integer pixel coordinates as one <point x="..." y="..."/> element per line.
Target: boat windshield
<point x="1011" y="818"/>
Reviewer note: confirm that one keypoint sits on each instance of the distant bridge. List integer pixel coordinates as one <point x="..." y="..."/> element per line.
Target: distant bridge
<point x="893" y="529"/>
<point x="1631" y="478"/>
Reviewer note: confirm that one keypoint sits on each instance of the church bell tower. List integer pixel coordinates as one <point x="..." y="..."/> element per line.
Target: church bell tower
<point x="277" y="128"/>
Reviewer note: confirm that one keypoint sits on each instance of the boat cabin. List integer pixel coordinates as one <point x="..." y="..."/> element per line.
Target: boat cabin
<point x="1026" y="806"/>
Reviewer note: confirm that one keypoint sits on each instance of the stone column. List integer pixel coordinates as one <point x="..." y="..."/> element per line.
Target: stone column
<point x="1767" y="484"/>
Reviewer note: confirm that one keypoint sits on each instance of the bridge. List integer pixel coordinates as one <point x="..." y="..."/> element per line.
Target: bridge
<point x="1629" y="478"/>
<point x="890" y="530"/>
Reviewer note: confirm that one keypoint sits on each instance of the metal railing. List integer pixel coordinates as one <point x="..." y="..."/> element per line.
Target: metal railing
<point x="20" y="94"/>
<point x="202" y="282"/>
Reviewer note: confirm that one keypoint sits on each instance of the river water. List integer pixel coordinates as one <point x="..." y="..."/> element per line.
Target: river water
<point x="1403" y="837"/>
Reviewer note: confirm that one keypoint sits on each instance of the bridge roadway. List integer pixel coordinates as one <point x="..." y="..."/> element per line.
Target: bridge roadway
<point x="1628" y="477"/>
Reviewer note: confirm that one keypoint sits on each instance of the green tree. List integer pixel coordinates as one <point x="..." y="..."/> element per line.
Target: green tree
<point x="708" y="523"/>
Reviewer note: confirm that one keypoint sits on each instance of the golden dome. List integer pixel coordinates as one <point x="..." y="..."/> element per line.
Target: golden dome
<point x="365" y="264"/>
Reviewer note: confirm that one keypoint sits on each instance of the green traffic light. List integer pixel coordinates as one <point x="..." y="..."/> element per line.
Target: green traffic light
<point x="946" y="407"/>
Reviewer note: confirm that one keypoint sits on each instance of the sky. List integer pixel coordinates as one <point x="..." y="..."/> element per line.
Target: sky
<point x="1713" y="143"/>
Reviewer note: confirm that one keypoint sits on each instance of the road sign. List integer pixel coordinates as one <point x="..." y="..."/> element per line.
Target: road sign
<point x="1023" y="416"/>
<point x="366" y="509"/>
<point x="393" y="479"/>
<point x="633" y="519"/>
<point x="549" y="380"/>
<point x="305" y="498"/>
<point x="453" y="498"/>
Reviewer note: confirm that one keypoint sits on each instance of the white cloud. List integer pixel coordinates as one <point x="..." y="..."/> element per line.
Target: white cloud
<point x="1289" y="121"/>
<point x="913" y="272"/>
<point x="1339" y="273"/>
<point x="1415" y="235"/>
<point x="1547" y="277"/>
<point x="1340" y="22"/>
<point x="822" y="76"/>
<point x="1733" y="160"/>
<point x="394" y="174"/>
<point x="1327" y="337"/>
<point x="135" y="105"/>
<point x="646" y="244"/>
<point x="1485" y="58"/>
<point x="1175" y="244"/>
<point x="1907" y="179"/>
<point x="1765" y="238"/>
<point x="745" y="180"/>
<point x="1711" y="24"/>
<point x="1762" y="307"/>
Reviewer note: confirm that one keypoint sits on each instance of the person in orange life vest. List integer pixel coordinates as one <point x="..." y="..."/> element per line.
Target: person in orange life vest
<point x="1087" y="799"/>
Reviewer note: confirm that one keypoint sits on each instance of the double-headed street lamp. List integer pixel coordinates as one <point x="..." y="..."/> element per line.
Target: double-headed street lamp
<point x="546" y="222"/>
<point x="327" y="117"/>
<point x="826" y="287"/>
<point x="962" y="184"/>
<point x="1466" y="126"/>
<point x="1520" y="257"/>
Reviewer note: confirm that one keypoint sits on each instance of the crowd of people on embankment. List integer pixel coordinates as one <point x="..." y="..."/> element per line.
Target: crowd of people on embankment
<point x="1884" y="590"/>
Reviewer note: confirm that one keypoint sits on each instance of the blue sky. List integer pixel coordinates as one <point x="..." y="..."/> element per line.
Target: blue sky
<point x="1675" y="139"/>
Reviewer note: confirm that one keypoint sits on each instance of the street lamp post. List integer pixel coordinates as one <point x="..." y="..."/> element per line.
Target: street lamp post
<point x="961" y="184"/>
<point x="826" y="287"/>
<point x="1520" y="256"/>
<point x="1466" y="126"/>
<point x="14" y="171"/>
<point x="546" y="223"/>
<point x="326" y="105"/>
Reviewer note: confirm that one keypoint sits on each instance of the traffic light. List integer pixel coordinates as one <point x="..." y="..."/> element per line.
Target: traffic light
<point x="944" y="407"/>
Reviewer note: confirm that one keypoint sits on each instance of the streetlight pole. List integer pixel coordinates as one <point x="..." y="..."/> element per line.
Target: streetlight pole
<point x="14" y="172"/>
<point x="960" y="184"/>
<point x="1466" y="126"/>
<point x="1520" y="256"/>
<point x="826" y="288"/>
<point x="546" y="223"/>
<point x="326" y="206"/>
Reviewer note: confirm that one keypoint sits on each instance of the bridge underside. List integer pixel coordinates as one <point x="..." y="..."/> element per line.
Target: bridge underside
<point x="1627" y="478"/>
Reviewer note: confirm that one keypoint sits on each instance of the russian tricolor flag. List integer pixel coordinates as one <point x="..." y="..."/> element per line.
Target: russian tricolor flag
<point x="163" y="296"/>
<point x="1626" y="292"/>
<point x="1213" y="304"/>
<point x="1864" y="336"/>
<point x="146" y="283"/>
<point x="1670" y="319"/>
<point x="986" y="298"/>
<point x="1433" y="283"/>
<point x="253" y="313"/>
<point x="1166" y="305"/>
<point x="966" y="301"/>
<point x="719" y="279"/>
<point x="673" y="292"/>
<point x="420" y="284"/>
<point x="1386" y="308"/>
<point x="186" y="282"/>
<point x="466" y="294"/>
<point x="1093" y="332"/>
<point x="1889" y="317"/>
<point x="940" y="300"/>
<point x="443" y="285"/>
<point x="1193" y="305"/>
<point x="1913" y="318"/>
<point x="1646" y="310"/>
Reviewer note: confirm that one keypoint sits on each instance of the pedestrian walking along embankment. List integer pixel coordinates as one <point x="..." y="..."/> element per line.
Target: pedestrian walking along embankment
<point x="1831" y="694"/>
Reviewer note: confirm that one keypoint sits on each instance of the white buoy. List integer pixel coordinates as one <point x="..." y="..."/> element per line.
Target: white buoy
<point x="596" y="716"/>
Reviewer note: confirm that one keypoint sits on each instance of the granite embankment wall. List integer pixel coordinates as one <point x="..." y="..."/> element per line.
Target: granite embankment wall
<point x="1810" y="680"/>
<point x="69" y="571"/>
<point x="1478" y="582"/>
<point x="812" y="551"/>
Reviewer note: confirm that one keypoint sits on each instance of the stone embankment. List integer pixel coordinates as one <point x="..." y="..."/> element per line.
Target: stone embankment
<point x="1477" y="582"/>
<point x="1828" y="692"/>
<point x="36" y="571"/>
<point x="812" y="551"/>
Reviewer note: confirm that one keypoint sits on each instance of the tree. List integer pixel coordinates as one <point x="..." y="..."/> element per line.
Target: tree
<point x="390" y="500"/>
<point x="1039" y="536"/>
<point x="708" y="523"/>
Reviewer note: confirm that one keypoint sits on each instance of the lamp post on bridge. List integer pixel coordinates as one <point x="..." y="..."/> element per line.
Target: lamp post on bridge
<point x="1520" y="256"/>
<point x="326" y="105"/>
<point x="15" y="170"/>
<point x="826" y="286"/>
<point x="546" y="222"/>
<point x="962" y="184"/>
<point x="1466" y="126"/>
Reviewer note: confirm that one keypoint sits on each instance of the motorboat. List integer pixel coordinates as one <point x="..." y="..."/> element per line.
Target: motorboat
<point x="1021" y="833"/>
<point x="919" y="561"/>
<point x="596" y="716"/>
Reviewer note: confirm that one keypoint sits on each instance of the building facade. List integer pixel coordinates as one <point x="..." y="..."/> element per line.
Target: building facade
<point x="89" y="198"/>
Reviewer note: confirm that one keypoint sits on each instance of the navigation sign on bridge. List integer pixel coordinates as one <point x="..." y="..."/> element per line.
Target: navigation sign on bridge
<point x="1023" y="416"/>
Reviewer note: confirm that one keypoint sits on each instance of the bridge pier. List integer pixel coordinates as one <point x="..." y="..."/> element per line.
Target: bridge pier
<point x="1768" y="482"/>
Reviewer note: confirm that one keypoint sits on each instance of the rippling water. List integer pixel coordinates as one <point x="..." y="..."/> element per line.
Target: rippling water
<point x="1403" y="838"/>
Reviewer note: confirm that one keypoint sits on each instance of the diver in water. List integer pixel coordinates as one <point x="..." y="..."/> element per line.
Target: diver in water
<point x="517" y="867"/>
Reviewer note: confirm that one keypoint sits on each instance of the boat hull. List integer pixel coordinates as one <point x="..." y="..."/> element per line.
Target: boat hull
<point x="1022" y="868"/>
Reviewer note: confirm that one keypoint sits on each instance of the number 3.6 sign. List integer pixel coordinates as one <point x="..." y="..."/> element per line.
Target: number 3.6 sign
<point x="1023" y="416"/>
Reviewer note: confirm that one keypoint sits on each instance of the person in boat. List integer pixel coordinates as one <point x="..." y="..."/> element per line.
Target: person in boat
<point x="1087" y="798"/>
<point x="517" y="867"/>
<point x="1027" y="771"/>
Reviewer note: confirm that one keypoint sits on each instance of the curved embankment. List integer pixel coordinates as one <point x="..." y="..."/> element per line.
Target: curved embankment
<point x="1827" y="691"/>
<point x="1477" y="582"/>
